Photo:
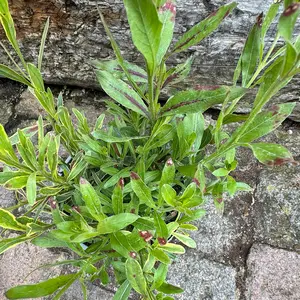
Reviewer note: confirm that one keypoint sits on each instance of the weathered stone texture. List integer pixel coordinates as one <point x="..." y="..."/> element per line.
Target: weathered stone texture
<point x="203" y="279"/>
<point x="273" y="274"/>
<point x="77" y="37"/>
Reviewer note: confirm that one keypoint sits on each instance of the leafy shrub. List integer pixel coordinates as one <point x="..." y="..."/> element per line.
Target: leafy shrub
<point x="131" y="188"/>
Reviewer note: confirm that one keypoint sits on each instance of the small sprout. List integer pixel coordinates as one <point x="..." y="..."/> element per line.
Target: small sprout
<point x="133" y="254"/>
<point x="121" y="183"/>
<point x="291" y="9"/>
<point x="162" y="241"/>
<point x="146" y="235"/>
<point x="170" y="162"/>
<point x="52" y="203"/>
<point x="134" y="176"/>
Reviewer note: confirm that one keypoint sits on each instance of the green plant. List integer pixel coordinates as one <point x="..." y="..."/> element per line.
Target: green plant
<point x="134" y="185"/>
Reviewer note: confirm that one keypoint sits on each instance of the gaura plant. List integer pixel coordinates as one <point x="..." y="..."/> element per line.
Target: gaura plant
<point x="125" y="199"/>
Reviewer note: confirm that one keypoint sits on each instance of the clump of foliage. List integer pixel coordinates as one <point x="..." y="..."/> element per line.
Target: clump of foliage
<point x="125" y="199"/>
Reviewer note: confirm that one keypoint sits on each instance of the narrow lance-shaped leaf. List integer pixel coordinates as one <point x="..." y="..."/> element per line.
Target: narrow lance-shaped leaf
<point x="266" y="121"/>
<point x="117" y="197"/>
<point x="251" y="52"/>
<point x="271" y="14"/>
<point x="137" y="73"/>
<point x="135" y="276"/>
<point x="121" y="92"/>
<point x="145" y="29"/>
<point x="41" y="289"/>
<point x="91" y="199"/>
<point x="167" y="13"/>
<point x="162" y="231"/>
<point x="9" y="73"/>
<point x="31" y="188"/>
<point x="141" y="190"/>
<point x="200" y="31"/>
<point x="199" y="100"/>
<point x="123" y="291"/>
<point x="116" y="223"/>
<point x="271" y="154"/>
<point x="160" y="275"/>
<point x="168" y="288"/>
<point x="290" y="59"/>
<point x="8" y="221"/>
<point x="288" y="20"/>
<point x="178" y="73"/>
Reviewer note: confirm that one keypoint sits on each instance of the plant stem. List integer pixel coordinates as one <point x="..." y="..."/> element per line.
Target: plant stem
<point x="150" y="97"/>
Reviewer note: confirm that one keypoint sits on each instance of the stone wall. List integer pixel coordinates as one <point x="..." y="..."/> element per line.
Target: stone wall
<point x="252" y="252"/>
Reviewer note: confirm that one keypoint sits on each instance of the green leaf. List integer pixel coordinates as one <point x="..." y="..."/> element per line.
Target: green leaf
<point x="127" y="244"/>
<point x="121" y="92"/>
<point x="145" y="28"/>
<point x="123" y="291"/>
<point x="185" y="240"/>
<point x="267" y="121"/>
<point x="160" y="276"/>
<point x="91" y="199"/>
<point x="116" y="223"/>
<point x="117" y="197"/>
<point x="5" y="144"/>
<point x="16" y="183"/>
<point x="231" y="185"/>
<point x="167" y="13"/>
<point x="251" y="52"/>
<point x="288" y="20"/>
<point x="135" y="276"/>
<point x="290" y="59"/>
<point x="200" y="31"/>
<point x="48" y="241"/>
<point x="6" y="244"/>
<point x="169" y="195"/>
<point x="270" y="16"/>
<point x="31" y="189"/>
<point x="160" y="226"/>
<point x="172" y="248"/>
<point x="42" y="46"/>
<point x="109" y="138"/>
<point x="143" y="224"/>
<point x="8" y="221"/>
<point x="271" y="154"/>
<point x="141" y="190"/>
<point x="196" y="214"/>
<point x="168" y="173"/>
<point x="41" y="289"/>
<point x="178" y="73"/>
<point x="161" y="256"/>
<point x="137" y="73"/>
<point x="9" y="73"/>
<point x="7" y="175"/>
<point x="36" y="77"/>
<point x="167" y="288"/>
<point x="193" y="101"/>
<point x="220" y="172"/>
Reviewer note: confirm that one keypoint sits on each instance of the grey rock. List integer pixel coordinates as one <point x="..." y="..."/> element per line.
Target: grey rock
<point x="18" y="262"/>
<point x="77" y="37"/>
<point x="7" y="198"/>
<point x="203" y="279"/>
<point x="276" y="211"/>
<point x="273" y="274"/>
<point x="9" y="95"/>
<point x="94" y="292"/>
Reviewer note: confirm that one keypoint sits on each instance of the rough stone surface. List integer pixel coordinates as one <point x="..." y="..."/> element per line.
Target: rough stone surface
<point x="18" y="262"/>
<point x="7" y="198"/>
<point x="273" y="274"/>
<point x="77" y="37"/>
<point x="203" y="279"/>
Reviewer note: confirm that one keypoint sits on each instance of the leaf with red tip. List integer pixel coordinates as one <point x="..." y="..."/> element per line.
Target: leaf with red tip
<point x="288" y="20"/>
<point x="166" y="14"/>
<point x="271" y="154"/>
